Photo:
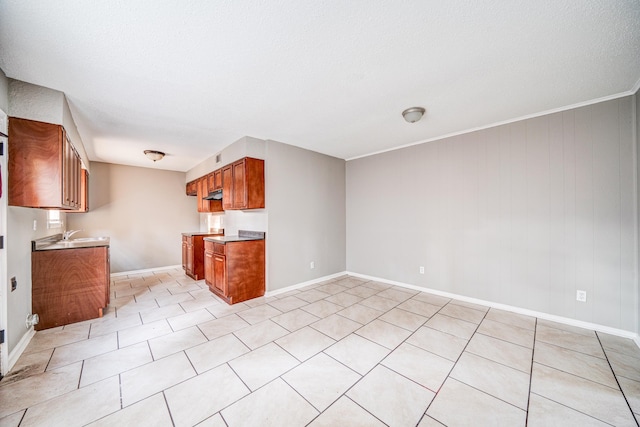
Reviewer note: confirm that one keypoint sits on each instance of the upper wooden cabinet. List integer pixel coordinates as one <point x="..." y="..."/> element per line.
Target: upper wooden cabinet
<point x="214" y="180"/>
<point x="84" y="193"/>
<point x="202" y="192"/>
<point x="45" y="171"/>
<point x="192" y="188"/>
<point x="243" y="184"/>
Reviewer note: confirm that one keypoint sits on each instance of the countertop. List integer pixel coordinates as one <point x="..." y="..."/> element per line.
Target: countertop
<point x="51" y="243"/>
<point x="205" y="233"/>
<point x="242" y="236"/>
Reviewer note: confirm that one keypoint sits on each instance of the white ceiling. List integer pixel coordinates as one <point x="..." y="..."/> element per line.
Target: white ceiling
<point x="190" y="77"/>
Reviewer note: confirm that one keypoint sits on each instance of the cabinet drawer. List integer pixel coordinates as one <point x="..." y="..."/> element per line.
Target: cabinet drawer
<point x="219" y="248"/>
<point x="208" y="246"/>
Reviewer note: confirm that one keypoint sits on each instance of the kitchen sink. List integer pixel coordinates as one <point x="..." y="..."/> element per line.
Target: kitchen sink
<point x="82" y="240"/>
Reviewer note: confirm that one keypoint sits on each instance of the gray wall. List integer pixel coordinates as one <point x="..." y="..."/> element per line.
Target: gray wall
<point x="4" y="92"/>
<point x="305" y="200"/>
<point x="522" y="214"/>
<point x="143" y="210"/>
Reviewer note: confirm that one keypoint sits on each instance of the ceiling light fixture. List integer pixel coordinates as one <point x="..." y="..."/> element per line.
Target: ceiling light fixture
<point x="154" y="155"/>
<point x="413" y="114"/>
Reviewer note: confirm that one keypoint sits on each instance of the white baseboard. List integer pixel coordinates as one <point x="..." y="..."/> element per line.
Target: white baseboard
<point x="303" y="284"/>
<point x="19" y="348"/>
<point x="541" y="315"/>
<point x="146" y="270"/>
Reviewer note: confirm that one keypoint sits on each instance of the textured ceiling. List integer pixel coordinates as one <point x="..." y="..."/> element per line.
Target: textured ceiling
<point x="191" y="77"/>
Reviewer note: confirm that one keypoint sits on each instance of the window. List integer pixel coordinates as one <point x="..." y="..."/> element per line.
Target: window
<point x="53" y="219"/>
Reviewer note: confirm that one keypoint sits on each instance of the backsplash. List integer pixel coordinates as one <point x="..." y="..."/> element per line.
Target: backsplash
<point x="232" y="221"/>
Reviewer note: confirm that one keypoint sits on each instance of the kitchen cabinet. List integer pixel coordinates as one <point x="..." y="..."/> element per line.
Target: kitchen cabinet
<point x="192" y="188"/>
<point x="203" y="191"/>
<point x="243" y="184"/>
<point x="214" y="180"/>
<point x="69" y="285"/>
<point x="193" y="254"/>
<point x="235" y="271"/>
<point x="44" y="168"/>
<point x="84" y="193"/>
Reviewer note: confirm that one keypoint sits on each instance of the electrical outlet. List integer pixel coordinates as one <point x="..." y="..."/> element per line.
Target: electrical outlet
<point x="581" y="296"/>
<point x="421" y="270"/>
<point x="312" y="265"/>
<point x="14" y="284"/>
<point x="35" y="224"/>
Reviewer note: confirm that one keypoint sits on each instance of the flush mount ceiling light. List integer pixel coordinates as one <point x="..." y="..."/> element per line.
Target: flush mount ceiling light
<point x="154" y="155"/>
<point x="413" y="114"/>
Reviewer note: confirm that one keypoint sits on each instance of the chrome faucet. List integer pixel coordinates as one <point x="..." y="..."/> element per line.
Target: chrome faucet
<point x="67" y="234"/>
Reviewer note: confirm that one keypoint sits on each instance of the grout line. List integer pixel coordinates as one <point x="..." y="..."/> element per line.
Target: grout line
<point x="533" y="350"/>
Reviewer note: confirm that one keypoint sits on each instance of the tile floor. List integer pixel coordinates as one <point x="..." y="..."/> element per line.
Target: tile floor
<point x="342" y="353"/>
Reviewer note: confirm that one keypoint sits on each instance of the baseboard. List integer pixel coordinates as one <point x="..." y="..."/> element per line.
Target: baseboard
<point x="19" y="348"/>
<point x="541" y="315"/>
<point x="303" y="284"/>
<point x="146" y="270"/>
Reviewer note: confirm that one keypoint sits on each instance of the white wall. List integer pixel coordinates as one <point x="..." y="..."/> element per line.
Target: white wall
<point x="4" y="92"/>
<point x="522" y="214"/>
<point x="143" y="211"/>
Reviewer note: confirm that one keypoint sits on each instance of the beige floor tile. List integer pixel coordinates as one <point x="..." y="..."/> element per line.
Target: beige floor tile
<point x="200" y="397"/>
<point x="305" y="343"/>
<point x="344" y="412"/>
<point x="289" y="303"/>
<point x="312" y="295"/>
<point x="109" y="364"/>
<point x="216" y="352"/>
<point x="48" y="339"/>
<point x="349" y="281"/>
<point x="596" y="400"/>
<point x="214" y="421"/>
<point x="544" y="412"/>
<point x="151" y="411"/>
<point x="71" y="353"/>
<point x="357" y="353"/>
<point x="622" y="345"/>
<point x="432" y="299"/>
<point x="259" y="314"/>
<point x="78" y="407"/>
<point x="321" y="380"/>
<point x="144" y="332"/>
<point x="199" y="303"/>
<point x="260" y="366"/>
<point x="379" y="303"/>
<point x="289" y="293"/>
<point x="322" y="308"/>
<point x="38" y="388"/>
<point x="513" y="319"/>
<point x="427" y="421"/>
<point x="427" y="369"/>
<point x="124" y="291"/>
<point x="224" y="309"/>
<point x="137" y="307"/>
<point x="437" y="342"/>
<point x="149" y="379"/>
<point x="192" y="318"/>
<point x="513" y="334"/>
<point x="573" y="362"/>
<point x="362" y="291"/>
<point x="504" y="352"/>
<point x="336" y="327"/>
<point x="383" y="333"/>
<point x="12" y="420"/>
<point x="116" y="324"/>
<point x="631" y="390"/>
<point x="397" y="401"/>
<point x="565" y="327"/>
<point x="260" y="334"/>
<point x="360" y="313"/>
<point x="451" y="325"/>
<point x="397" y="294"/>
<point x="480" y="409"/>
<point x="331" y="288"/>
<point x="576" y="342"/>
<point x="27" y="365"/>
<point x="273" y="405"/>
<point x="178" y="288"/>
<point x="498" y="380"/>
<point x="403" y="319"/>
<point x="463" y="313"/>
<point x="161" y="313"/>
<point x="478" y="307"/>
<point x="623" y="365"/>
<point x="175" y="342"/>
<point x="222" y="326"/>
<point x="377" y="285"/>
<point x="295" y="319"/>
<point x="174" y="299"/>
<point x="344" y="299"/>
<point x="419" y="307"/>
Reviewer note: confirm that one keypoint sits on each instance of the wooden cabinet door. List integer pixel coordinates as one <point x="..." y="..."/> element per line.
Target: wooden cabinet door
<point x="227" y="187"/>
<point x="208" y="268"/>
<point x="189" y="268"/>
<point x="220" y="273"/>
<point x="184" y="253"/>
<point x="239" y="186"/>
<point x="217" y="180"/>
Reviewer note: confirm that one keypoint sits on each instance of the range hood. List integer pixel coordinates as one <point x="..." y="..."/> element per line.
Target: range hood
<point x="214" y="195"/>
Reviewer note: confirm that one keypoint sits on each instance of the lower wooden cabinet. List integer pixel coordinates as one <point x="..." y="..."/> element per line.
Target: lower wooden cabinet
<point x="69" y="285"/>
<point x="193" y="254"/>
<point x="235" y="271"/>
